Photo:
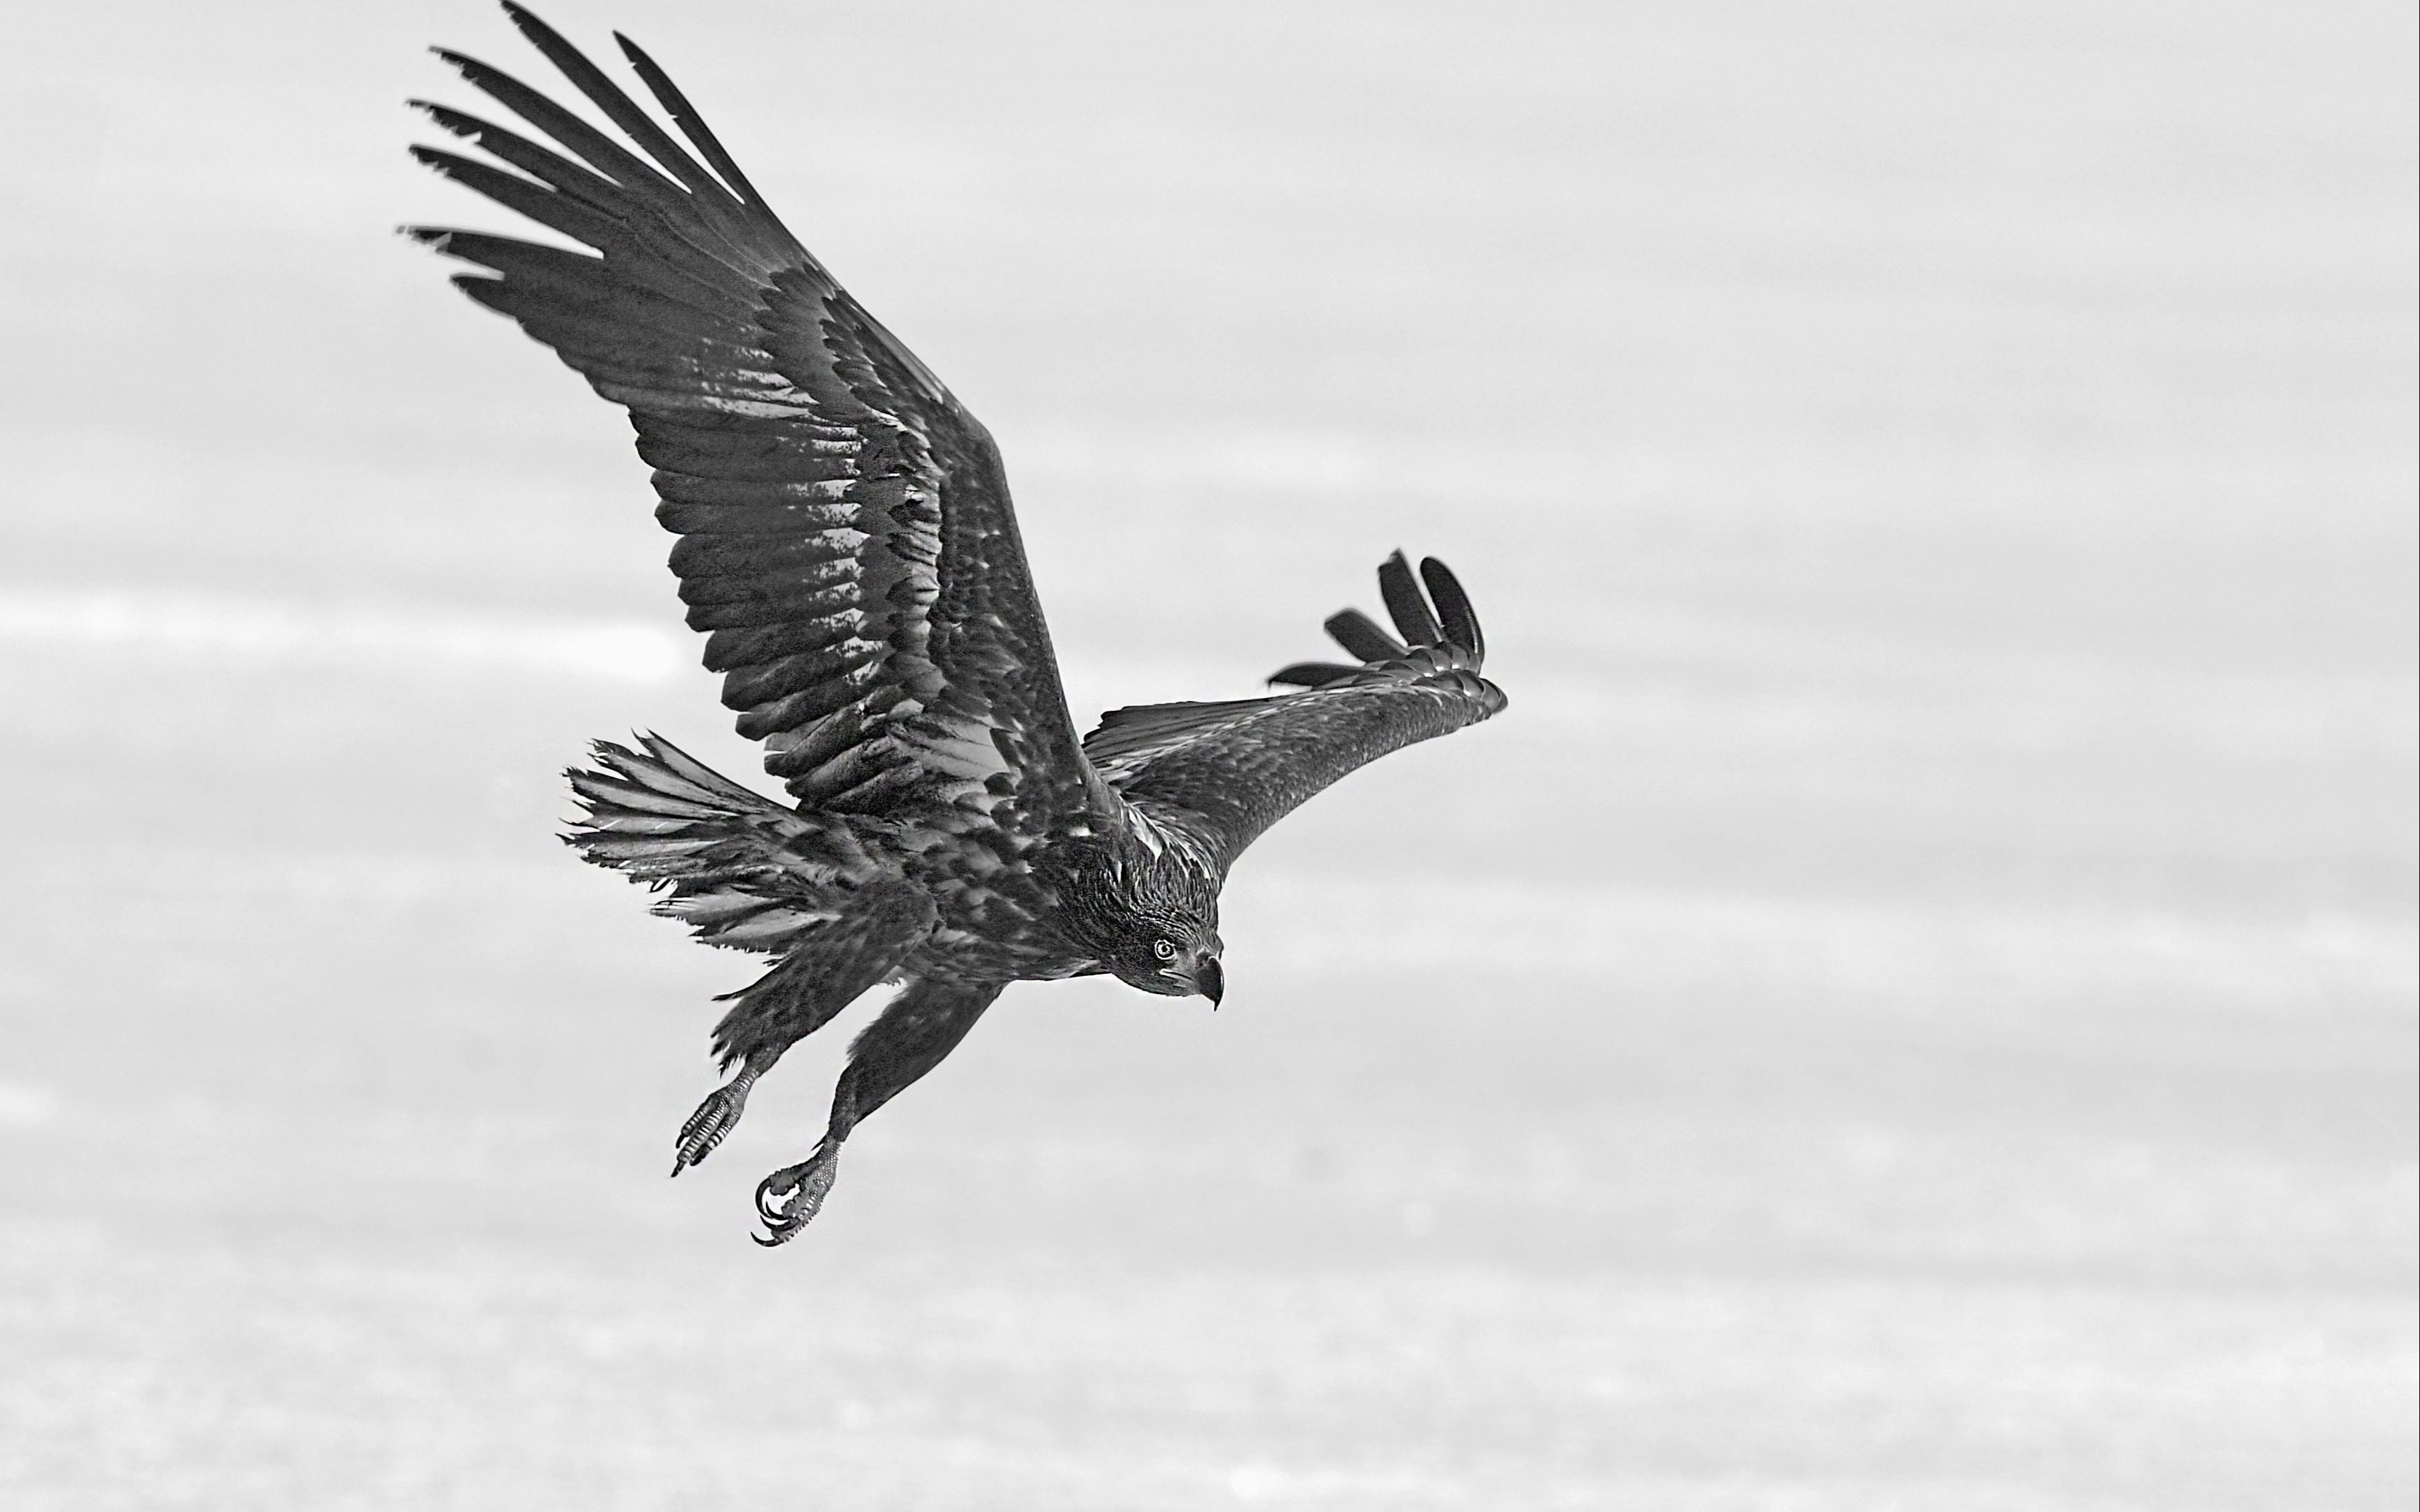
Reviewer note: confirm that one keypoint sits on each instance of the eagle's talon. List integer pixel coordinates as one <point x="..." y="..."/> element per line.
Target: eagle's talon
<point x="714" y="1117"/>
<point x="789" y="1198"/>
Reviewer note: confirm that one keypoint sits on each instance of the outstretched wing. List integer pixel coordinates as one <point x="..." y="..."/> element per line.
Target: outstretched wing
<point x="1225" y="772"/>
<point x="845" y="530"/>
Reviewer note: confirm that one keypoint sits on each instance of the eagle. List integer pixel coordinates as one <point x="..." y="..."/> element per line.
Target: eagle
<point x="847" y="546"/>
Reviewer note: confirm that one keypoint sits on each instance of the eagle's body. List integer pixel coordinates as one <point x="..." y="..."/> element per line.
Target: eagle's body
<point x="846" y="540"/>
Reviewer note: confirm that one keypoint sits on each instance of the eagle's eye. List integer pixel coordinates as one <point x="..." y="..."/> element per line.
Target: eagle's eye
<point x="1165" y="949"/>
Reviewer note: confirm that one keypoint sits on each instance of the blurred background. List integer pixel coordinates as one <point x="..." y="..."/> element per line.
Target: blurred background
<point x="1913" y="1007"/>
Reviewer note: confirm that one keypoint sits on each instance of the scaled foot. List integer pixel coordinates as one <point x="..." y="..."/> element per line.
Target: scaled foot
<point x="714" y="1117"/>
<point x="787" y="1199"/>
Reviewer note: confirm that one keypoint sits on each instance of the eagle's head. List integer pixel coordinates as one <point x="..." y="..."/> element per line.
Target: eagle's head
<point x="1174" y="957"/>
<point x="1150" y="918"/>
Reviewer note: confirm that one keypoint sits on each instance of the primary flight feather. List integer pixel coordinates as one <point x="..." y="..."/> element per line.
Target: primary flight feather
<point x="847" y="544"/>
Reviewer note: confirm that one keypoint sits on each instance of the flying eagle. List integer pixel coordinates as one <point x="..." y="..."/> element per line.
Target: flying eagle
<point x="846" y="541"/>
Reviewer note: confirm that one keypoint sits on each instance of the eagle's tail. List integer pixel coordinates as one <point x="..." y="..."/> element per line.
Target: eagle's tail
<point x="743" y="870"/>
<point x="747" y="872"/>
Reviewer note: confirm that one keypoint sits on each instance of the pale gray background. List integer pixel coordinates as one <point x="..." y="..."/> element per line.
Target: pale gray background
<point x="1913" y="1009"/>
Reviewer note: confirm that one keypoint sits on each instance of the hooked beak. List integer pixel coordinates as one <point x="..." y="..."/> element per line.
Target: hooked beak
<point x="1210" y="979"/>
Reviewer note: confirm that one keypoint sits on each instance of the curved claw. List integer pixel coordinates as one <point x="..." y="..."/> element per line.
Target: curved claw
<point x="791" y="1196"/>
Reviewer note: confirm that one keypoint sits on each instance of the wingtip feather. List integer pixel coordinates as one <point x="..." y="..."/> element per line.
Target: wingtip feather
<point x="524" y="19"/>
<point x="1311" y="673"/>
<point x="1454" y="607"/>
<point x="1360" y="634"/>
<point x="693" y="125"/>
<point x="1414" y="619"/>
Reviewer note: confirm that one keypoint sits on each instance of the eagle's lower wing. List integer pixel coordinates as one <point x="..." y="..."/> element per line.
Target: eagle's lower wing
<point x="1225" y="772"/>
<point x="845" y="530"/>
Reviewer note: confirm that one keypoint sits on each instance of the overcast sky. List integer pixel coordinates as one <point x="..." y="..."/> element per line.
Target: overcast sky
<point x="1937" y="916"/>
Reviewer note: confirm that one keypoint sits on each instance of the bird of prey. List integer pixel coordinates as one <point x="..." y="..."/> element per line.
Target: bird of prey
<point x="846" y="541"/>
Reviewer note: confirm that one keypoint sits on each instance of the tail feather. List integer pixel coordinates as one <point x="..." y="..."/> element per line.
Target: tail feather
<point x="697" y="774"/>
<point x="748" y="874"/>
<point x="743" y="870"/>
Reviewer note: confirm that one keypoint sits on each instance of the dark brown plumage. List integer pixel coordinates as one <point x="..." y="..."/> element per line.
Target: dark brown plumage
<point x="846" y="542"/>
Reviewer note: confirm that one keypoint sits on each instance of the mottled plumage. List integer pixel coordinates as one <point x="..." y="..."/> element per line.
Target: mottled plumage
<point x="845" y="540"/>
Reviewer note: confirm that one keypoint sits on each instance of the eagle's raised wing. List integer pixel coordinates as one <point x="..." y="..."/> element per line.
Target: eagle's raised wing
<point x="846" y="528"/>
<point x="1225" y="772"/>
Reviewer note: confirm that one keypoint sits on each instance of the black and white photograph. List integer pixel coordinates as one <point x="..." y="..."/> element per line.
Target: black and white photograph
<point x="1092" y="756"/>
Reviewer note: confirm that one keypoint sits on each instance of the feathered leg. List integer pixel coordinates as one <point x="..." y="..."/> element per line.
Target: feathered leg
<point x="830" y="966"/>
<point x="920" y="1028"/>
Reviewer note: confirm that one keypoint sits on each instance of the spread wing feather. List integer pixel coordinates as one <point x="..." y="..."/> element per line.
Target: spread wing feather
<point x="1225" y="772"/>
<point x="845" y="531"/>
